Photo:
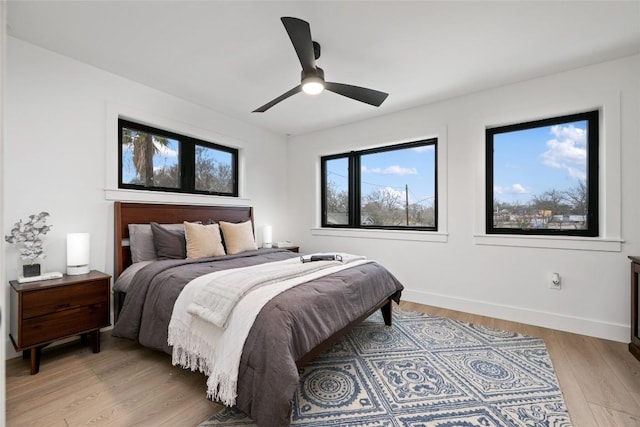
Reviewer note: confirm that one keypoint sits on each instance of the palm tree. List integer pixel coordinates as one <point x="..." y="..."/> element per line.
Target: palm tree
<point x="145" y="146"/>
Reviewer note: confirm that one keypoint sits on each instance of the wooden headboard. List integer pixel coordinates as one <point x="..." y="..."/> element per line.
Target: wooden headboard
<point x="145" y="213"/>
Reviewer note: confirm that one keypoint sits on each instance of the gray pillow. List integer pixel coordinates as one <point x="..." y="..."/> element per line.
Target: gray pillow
<point x="141" y="243"/>
<point x="169" y="243"/>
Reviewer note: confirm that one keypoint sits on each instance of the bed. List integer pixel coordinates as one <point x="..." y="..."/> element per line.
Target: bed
<point x="289" y="331"/>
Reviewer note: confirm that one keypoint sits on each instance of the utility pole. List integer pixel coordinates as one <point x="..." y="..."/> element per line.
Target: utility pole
<point x="406" y="201"/>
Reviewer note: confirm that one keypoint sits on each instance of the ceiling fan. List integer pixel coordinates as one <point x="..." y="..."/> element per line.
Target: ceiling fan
<point x="312" y="80"/>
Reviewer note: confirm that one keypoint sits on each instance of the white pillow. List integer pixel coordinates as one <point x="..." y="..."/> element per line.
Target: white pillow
<point x="238" y="237"/>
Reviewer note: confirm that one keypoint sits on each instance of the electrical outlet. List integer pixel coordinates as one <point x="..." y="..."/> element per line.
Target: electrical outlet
<point x="555" y="282"/>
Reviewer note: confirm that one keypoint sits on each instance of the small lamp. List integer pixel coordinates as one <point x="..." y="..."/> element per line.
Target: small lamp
<point x="267" y="236"/>
<point x="78" y="245"/>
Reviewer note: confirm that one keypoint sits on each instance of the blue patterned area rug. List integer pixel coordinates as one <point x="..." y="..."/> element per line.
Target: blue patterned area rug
<point x="425" y="371"/>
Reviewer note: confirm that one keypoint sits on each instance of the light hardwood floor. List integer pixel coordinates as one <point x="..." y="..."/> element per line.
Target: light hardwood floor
<point x="127" y="385"/>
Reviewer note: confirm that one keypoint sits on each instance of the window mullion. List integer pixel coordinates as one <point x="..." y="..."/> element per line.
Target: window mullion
<point x="593" y="163"/>
<point x="354" y="190"/>
<point x="489" y="182"/>
<point x="323" y="192"/>
<point x="187" y="168"/>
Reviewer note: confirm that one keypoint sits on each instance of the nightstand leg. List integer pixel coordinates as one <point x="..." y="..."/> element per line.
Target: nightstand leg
<point x="95" y="340"/>
<point x="36" y="353"/>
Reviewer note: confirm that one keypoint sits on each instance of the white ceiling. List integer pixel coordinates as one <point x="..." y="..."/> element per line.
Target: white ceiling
<point x="234" y="56"/>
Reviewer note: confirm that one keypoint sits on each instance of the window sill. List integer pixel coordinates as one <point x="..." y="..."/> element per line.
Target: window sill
<point x="551" y="242"/>
<point x="119" y="194"/>
<point x="410" y="235"/>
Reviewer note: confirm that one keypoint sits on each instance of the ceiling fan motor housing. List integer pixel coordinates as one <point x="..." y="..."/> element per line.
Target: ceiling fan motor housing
<point x="318" y="75"/>
<point x="316" y="50"/>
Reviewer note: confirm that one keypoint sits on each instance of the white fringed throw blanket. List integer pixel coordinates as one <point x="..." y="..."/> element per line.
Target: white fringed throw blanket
<point x="202" y="345"/>
<point x="221" y="291"/>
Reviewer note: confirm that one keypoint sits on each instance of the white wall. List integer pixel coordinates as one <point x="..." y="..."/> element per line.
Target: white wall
<point x="60" y="137"/>
<point x="461" y="268"/>
<point x="3" y="305"/>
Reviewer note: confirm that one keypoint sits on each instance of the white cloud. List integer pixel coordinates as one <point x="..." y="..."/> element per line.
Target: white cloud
<point x="165" y="151"/>
<point x="391" y="170"/>
<point x="567" y="150"/>
<point x="512" y="189"/>
<point x="518" y="189"/>
<point x="423" y="148"/>
<point x="577" y="173"/>
<point x="392" y="192"/>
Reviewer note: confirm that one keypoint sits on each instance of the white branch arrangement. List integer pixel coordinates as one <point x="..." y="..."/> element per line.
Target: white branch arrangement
<point x="30" y="233"/>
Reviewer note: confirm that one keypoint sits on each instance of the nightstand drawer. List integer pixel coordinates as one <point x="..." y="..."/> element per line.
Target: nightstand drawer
<point x="38" y="330"/>
<point x="45" y="301"/>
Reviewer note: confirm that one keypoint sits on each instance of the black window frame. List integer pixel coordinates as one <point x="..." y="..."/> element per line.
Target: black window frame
<point x="187" y="161"/>
<point x="592" y="181"/>
<point x="354" y="183"/>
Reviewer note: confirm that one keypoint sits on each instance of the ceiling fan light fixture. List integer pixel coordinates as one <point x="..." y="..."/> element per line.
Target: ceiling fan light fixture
<point x="313" y="81"/>
<point x="312" y="86"/>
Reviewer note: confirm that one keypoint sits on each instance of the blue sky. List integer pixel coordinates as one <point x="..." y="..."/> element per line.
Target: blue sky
<point x="529" y="162"/>
<point x="390" y="171"/>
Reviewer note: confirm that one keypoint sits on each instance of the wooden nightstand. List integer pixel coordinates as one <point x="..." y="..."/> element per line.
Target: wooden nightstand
<point x="49" y="310"/>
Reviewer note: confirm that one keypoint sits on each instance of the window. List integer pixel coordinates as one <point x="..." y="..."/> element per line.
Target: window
<point x="155" y="159"/>
<point x="542" y="177"/>
<point x="392" y="187"/>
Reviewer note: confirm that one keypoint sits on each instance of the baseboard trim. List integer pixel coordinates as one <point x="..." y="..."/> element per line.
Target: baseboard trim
<point x="578" y="325"/>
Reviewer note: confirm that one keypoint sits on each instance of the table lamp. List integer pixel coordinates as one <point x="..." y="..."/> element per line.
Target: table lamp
<point x="267" y="236"/>
<point x="78" y="253"/>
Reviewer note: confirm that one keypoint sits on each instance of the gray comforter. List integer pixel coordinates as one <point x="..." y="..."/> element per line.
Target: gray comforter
<point x="287" y="328"/>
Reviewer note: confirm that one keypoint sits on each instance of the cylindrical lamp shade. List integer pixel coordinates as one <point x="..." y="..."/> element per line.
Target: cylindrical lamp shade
<point x="78" y="245"/>
<point x="267" y="236"/>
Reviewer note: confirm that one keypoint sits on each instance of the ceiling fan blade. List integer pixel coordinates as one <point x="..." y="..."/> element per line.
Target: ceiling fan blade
<point x="282" y="97"/>
<point x="362" y="94"/>
<point x="300" y="35"/>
